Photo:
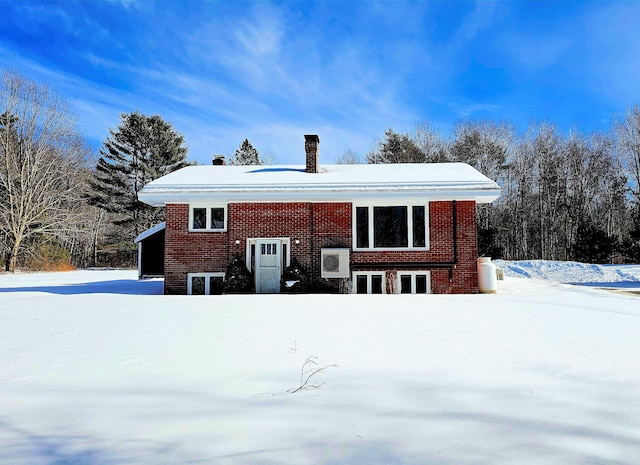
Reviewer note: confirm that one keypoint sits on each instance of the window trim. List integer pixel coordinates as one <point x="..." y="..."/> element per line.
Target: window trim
<point x="413" y="274"/>
<point x="207" y="289"/>
<point x="370" y="206"/>
<point x="207" y="208"/>
<point x="368" y="274"/>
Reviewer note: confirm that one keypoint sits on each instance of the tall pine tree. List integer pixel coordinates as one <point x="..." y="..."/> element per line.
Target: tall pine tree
<point x="142" y="149"/>
<point x="246" y="155"/>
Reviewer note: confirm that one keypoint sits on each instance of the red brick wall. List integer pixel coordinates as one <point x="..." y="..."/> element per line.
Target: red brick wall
<point x="465" y="276"/>
<point x="315" y="225"/>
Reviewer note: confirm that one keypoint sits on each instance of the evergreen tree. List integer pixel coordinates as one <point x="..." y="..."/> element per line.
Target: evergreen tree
<point x="593" y="245"/>
<point x="396" y="148"/>
<point x="246" y="155"/>
<point x="141" y="149"/>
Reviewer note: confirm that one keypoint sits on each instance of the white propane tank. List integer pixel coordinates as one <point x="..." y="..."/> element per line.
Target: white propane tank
<point x="487" y="278"/>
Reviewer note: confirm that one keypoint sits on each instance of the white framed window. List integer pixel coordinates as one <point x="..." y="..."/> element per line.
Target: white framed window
<point x="205" y="283"/>
<point x="285" y="251"/>
<point x="414" y="282"/>
<point x="207" y="218"/>
<point x="369" y="282"/>
<point x="382" y="226"/>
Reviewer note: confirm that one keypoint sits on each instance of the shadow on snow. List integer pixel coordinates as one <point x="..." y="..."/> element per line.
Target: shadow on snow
<point x="119" y="286"/>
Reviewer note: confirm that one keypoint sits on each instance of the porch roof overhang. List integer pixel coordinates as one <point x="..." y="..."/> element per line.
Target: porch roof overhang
<point x="150" y="232"/>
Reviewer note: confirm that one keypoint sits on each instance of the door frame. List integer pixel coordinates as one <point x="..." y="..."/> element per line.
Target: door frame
<point x="285" y="251"/>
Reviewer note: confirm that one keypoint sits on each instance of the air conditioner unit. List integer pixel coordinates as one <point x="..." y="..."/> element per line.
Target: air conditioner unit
<point x="334" y="263"/>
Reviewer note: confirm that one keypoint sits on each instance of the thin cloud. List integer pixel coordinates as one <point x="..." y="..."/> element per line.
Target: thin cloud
<point x="223" y="71"/>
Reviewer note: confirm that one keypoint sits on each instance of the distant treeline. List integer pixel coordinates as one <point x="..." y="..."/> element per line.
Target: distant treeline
<point x="564" y="197"/>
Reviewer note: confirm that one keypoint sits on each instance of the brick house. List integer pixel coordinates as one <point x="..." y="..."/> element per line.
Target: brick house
<point x="403" y="228"/>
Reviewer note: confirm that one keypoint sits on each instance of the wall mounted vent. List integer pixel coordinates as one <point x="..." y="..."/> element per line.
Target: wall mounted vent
<point x="334" y="263"/>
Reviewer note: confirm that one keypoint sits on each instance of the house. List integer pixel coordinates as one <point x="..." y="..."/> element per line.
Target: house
<point x="404" y="228"/>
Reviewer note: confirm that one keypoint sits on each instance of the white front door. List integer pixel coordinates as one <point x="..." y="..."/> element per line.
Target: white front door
<point x="268" y="266"/>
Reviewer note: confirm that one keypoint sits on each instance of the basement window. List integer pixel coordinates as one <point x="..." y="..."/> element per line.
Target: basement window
<point x="208" y="218"/>
<point x="205" y="283"/>
<point x="414" y="282"/>
<point x="369" y="282"/>
<point x="389" y="227"/>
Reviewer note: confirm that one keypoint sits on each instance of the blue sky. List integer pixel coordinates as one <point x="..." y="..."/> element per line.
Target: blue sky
<point x="274" y="71"/>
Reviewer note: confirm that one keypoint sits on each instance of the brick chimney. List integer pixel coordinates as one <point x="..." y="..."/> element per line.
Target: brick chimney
<point x="312" y="148"/>
<point x="218" y="160"/>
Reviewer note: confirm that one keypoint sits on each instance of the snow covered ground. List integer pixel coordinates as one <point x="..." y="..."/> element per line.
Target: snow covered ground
<point x="98" y="368"/>
<point x="606" y="276"/>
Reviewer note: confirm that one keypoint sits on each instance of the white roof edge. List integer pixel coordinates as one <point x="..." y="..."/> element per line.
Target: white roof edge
<point x="150" y="232"/>
<point x="479" y="194"/>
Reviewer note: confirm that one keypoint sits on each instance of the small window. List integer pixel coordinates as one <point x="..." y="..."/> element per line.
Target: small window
<point x="361" y="284"/>
<point x="205" y="283"/>
<point x="405" y="284"/>
<point x="362" y="227"/>
<point x="216" y="285"/>
<point x="419" y="236"/>
<point x="199" y="218"/>
<point x="369" y="282"/>
<point x="268" y="249"/>
<point x="198" y="285"/>
<point x="217" y="218"/>
<point x="207" y="219"/>
<point x="414" y="282"/>
<point x="283" y="256"/>
<point x="376" y="284"/>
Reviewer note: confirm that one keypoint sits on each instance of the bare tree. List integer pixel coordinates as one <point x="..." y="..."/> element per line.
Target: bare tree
<point x="484" y="145"/>
<point x="349" y="157"/>
<point x="433" y="145"/>
<point x="628" y="138"/>
<point x="41" y="154"/>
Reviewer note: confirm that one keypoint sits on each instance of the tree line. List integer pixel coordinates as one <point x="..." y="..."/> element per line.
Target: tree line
<point x="564" y="197"/>
<point x="63" y="206"/>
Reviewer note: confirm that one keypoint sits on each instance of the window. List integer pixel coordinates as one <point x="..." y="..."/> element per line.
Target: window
<point x="414" y="282"/>
<point x="205" y="283"/>
<point x="208" y="218"/>
<point x="391" y="227"/>
<point x="369" y="282"/>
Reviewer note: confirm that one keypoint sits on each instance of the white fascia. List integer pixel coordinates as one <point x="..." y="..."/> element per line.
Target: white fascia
<point x="158" y="197"/>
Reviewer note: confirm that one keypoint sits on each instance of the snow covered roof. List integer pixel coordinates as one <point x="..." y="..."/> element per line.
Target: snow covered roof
<point x="433" y="181"/>
<point x="150" y="232"/>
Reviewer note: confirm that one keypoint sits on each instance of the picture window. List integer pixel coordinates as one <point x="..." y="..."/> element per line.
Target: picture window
<point x="391" y="227"/>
